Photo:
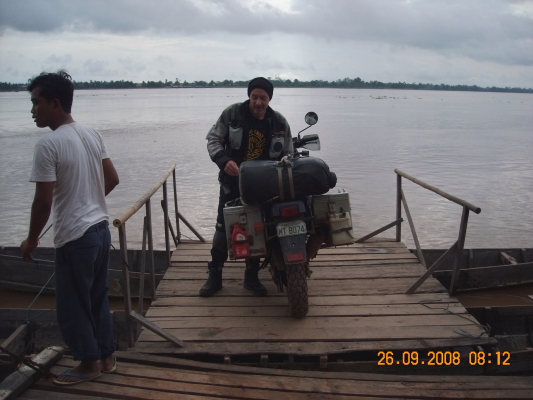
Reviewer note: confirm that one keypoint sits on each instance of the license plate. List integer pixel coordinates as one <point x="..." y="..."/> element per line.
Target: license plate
<point x="291" y="228"/>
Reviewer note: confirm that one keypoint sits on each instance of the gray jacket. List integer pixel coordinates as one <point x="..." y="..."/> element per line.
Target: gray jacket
<point x="225" y="138"/>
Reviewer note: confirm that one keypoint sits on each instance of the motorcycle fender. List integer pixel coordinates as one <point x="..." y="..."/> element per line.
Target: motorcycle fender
<point x="293" y="249"/>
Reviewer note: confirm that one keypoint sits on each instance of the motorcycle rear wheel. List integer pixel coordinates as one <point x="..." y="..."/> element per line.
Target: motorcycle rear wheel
<point x="297" y="290"/>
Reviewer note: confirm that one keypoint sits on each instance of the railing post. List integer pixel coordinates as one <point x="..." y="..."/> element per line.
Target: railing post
<point x="398" y="207"/>
<point x="150" y="248"/>
<point x="126" y="282"/>
<point x="459" y="251"/>
<point x="142" y="268"/>
<point x="178" y="232"/>
<point x="165" y="213"/>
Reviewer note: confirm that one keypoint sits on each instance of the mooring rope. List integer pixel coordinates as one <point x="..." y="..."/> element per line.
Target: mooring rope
<point x="460" y="332"/>
<point x="46" y="284"/>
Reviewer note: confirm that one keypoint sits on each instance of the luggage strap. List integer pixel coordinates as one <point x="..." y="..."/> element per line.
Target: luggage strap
<point x="285" y="163"/>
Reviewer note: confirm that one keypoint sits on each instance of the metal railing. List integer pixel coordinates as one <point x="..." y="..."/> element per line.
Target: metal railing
<point x="148" y="245"/>
<point x="456" y="249"/>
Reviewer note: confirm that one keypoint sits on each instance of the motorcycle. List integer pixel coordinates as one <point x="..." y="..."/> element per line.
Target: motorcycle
<point x="285" y="216"/>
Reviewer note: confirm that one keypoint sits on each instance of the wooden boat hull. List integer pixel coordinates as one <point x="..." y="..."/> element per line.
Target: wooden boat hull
<point x="484" y="268"/>
<point x="37" y="275"/>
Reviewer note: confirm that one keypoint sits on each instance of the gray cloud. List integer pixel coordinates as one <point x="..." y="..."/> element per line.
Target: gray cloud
<point x="485" y="30"/>
<point x="462" y="41"/>
<point x="61" y="60"/>
<point x="264" y="62"/>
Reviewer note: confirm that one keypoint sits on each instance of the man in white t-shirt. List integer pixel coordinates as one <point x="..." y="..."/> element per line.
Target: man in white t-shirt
<point x="73" y="174"/>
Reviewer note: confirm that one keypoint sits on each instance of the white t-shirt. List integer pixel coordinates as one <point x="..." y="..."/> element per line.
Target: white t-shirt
<point x="72" y="157"/>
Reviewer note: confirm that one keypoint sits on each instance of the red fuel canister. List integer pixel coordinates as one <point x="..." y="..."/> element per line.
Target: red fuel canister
<point x="241" y="242"/>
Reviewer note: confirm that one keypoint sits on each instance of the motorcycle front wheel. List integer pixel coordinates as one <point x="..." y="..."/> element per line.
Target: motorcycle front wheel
<point x="297" y="290"/>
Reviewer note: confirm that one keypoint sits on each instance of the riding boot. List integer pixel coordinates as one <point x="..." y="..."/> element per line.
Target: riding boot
<point x="251" y="280"/>
<point x="214" y="281"/>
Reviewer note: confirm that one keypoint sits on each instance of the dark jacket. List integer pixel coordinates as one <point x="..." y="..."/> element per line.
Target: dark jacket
<point x="225" y="139"/>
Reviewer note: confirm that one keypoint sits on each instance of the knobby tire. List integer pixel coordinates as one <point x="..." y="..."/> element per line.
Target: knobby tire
<point x="297" y="290"/>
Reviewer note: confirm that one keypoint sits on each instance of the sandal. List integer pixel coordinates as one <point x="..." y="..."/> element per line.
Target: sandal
<point x="113" y="368"/>
<point x="80" y="378"/>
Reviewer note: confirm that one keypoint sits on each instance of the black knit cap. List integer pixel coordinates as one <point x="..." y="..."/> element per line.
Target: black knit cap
<point x="261" y="83"/>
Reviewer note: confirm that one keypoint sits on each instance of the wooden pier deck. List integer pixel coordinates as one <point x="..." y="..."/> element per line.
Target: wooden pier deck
<point x="357" y="303"/>
<point x="239" y="346"/>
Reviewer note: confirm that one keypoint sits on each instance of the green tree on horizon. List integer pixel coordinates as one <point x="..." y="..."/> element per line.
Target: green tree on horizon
<point x="346" y="83"/>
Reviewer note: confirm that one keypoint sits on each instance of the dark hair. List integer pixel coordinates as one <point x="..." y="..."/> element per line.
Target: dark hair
<point x="56" y="85"/>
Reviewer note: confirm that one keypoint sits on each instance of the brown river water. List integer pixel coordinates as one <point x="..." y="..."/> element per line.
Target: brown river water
<point x="475" y="146"/>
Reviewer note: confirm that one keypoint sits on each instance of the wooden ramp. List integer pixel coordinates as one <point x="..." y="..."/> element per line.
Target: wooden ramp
<point x="357" y="304"/>
<point x="141" y="376"/>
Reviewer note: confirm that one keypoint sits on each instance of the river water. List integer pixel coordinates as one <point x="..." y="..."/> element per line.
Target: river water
<point x="475" y="146"/>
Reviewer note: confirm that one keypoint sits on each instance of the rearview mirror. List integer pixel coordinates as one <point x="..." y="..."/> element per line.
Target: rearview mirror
<point x="311" y="118"/>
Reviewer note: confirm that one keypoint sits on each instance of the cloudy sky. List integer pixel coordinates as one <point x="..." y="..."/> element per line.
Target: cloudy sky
<point x="481" y="42"/>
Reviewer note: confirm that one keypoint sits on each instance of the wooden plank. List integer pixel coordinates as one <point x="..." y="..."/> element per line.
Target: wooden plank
<point x="314" y="311"/>
<point x="15" y="342"/>
<point x="314" y="348"/>
<point x="21" y="379"/>
<point x="34" y="394"/>
<point x="203" y="259"/>
<point x="155" y="329"/>
<point x="430" y="299"/>
<point x="331" y="288"/>
<point x="299" y="325"/>
<point x="202" y="266"/>
<point x="376" y="242"/>
<point x="325" y="333"/>
<point x="178" y="363"/>
<point x="328" y="273"/>
<point x="102" y="387"/>
<point x="344" y="250"/>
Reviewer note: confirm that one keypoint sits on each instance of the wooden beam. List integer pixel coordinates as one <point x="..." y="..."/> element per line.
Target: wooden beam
<point x="413" y="230"/>
<point x="25" y="376"/>
<point x="457" y="265"/>
<point x="126" y="281"/>
<point x="466" y="204"/>
<point x="156" y="329"/>
<point x="490" y="277"/>
<point x="191" y="227"/>
<point x="430" y="270"/>
<point x="507" y="259"/>
<point x="377" y="232"/>
<point x="136" y="206"/>
<point x="16" y="339"/>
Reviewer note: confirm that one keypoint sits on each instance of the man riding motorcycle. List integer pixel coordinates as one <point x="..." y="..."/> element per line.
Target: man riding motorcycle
<point x="251" y="130"/>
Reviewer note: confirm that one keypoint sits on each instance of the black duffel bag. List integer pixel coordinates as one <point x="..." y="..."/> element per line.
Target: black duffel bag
<point x="260" y="181"/>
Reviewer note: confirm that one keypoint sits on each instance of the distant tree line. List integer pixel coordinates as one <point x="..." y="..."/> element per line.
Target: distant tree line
<point x="346" y="83"/>
<point x="104" y="85"/>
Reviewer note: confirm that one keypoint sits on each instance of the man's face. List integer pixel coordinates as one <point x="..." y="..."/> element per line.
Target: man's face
<point x="259" y="103"/>
<point x="43" y="110"/>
